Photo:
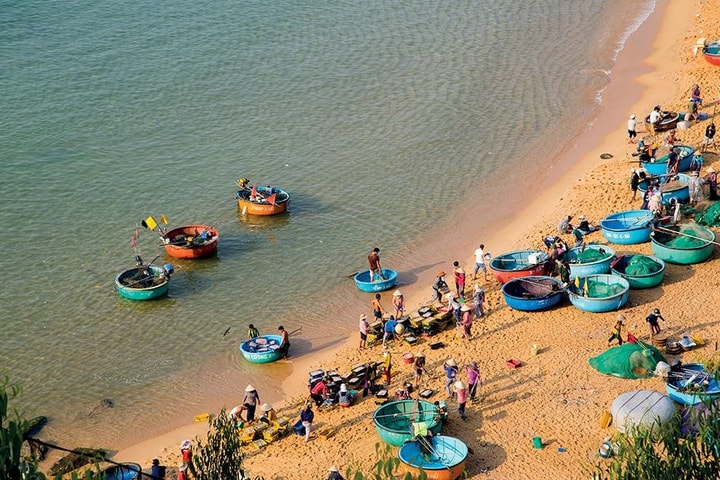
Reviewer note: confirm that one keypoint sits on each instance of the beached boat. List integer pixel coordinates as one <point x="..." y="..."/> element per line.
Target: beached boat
<point x="671" y="187"/>
<point x="683" y="244"/>
<point x="692" y="384"/>
<point x="641" y="271"/>
<point x="262" y="200"/>
<point x="125" y="471"/>
<point x="144" y="282"/>
<point x="590" y="259"/>
<point x="262" y="349"/>
<point x="628" y="227"/>
<point x="659" y="166"/>
<point x="388" y="280"/>
<point x="599" y="293"/>
<point x="520" y="263"/>
<point x="191" y="241"/>
<point x="531" y="294"/>
<point x="668" y="121"/>
<point x="711" y="53"/>
<point x="434" y="458"/>
<point x="394" y="420"/>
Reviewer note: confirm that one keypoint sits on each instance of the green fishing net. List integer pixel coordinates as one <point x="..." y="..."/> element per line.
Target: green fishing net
<point x="710" y="217"/>
<point x="595" y="289"/>
<point x="590" y="255"/>
<point x="684" y="242"/>
<point x="641" y="265"/>
<point x="631" y="360"/>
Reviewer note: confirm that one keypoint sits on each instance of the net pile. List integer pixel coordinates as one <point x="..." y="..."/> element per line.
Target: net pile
<point x="710" y="217"/>
<point x="683" y="242"/>
<point x="595" y="289"/>
<point x="591" y="255"/>
<point x="641" y="265"/>
<point x="631" y="360"/>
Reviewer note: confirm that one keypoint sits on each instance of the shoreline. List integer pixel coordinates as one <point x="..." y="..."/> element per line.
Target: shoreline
<point x="632" y="82"/>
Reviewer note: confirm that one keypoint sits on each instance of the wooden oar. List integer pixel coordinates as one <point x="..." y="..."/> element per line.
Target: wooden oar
<point x="668" y="230"/>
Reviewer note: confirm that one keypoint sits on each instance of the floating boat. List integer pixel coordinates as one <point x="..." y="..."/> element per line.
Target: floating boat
<point x="711" y="53"/>
<point x="683" y="244"/>
<point x="520" y="263"/>
<point x="628" y="227"/>
<point x="388" y="280"/>
<point x="599" y="293"/>
<point x="659" y="166"/>
<point x="676" y="188"/>
<point x="394" y="420"/>
<point x="433" y="458"/>
<point x="692" y="385"/>
<point x="645" y="271"/>
<point x="262" y="200"/>
<point x="191" y="241"/>
<point x="590" y="259"/>
<point x="144" y="282"/>
<point x="262" y="349"/>
<point x="668" y="121"/>
<point x="531" y="294"/>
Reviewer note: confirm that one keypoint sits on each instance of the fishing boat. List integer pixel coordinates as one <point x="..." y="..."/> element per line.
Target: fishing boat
<point x="534" y="293"/>
<point x="125" y="471"/>
<point x="641" y="271"/>
<point x="394" y="420"/>
<point x="599" y="293"/>
<point x="692" y="384"/>
<point x="683" y="244"/>
<point x="144" y="282"/>
<point x="628" y="227"/>
<point x="262" y="349"/>
<point x="659" y="166"/>
<point x="675" y="186"/>
<point x="520" y="263"/>
<point x="378" y="284"/>
<point x="589" y="259"/>
<point x="668" y="121"/>
<point x="261" y="200"/>
<point x="433" y="458"/>
<point x="711" y="53"/>
<point x="191" y="241"/>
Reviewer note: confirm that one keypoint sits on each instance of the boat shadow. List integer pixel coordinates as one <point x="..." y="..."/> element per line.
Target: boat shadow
<point x="408" y="277"/>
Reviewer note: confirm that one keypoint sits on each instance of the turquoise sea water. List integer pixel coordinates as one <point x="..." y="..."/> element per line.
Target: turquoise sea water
<point x="386" y="122"/>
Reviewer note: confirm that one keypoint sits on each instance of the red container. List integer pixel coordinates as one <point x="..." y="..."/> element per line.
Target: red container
<point x="512" y="363"/>
<point x="408" y="358"/>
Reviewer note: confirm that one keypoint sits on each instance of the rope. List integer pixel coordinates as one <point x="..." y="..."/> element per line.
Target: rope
<point x="668" y="230"/>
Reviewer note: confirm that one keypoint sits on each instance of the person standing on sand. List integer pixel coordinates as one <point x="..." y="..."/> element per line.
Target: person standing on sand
<point x="377" y="307"/>
<point x="479" y="301"/>
<point x="654" y="119"/>
<point x="419" y="369"/>
<point x="306" y="417"/>
<point x="186" y="454"/>
<point x="334" y="474"/>
<point x="695" y="188"/>
<point x="563" y="270"/>
<point x="617" y="331"/>
<point x="459" y="273"/>
<point x="631" y="127"/>
<point x="652" y="319"/>
<point x="399" y="303"/>
<point x="439" y="286"/>
<point x="374" y="263"/>
<point x="473" y="373"/>
<point x="451" y="371"/>
<point x="454" y="307"/>
<point x="250" y="401"/>
<point x="363" y="330"/>
<point x="462" y="394"/>
<point x="284" y="342"/>
<point x="480" y="257"/>
<point x="709" y="137"/>
<point x="467" y="321"/>
<point x="634" y="183"/>
<point x="711" y="180"/>
<point x="387" y="367"/>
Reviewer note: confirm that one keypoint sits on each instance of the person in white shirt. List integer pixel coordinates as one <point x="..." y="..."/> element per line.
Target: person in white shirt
<point x="480" y="256"/>
<point x="655" y="118"/>
<point x="632" y="133"/>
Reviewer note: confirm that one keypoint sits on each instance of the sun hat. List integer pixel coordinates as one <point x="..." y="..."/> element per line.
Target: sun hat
<point x="632" y="117"/>
<point x="343" y="387"/>
<point x="478" y="287"/>
<point x="450" y="362"/>
<point x="581" y="217"/>
<point x="465" y="308"/>
<point x="441" y="273"/>
<point x="657" y="310"/>
<point x="333" y="468"/>
<point x="459" y="384"/>
<point x="266" y="407"/>
<point x="186" y="444"/>
<point x="420" y="355"/>
<point x="363" y="317"/>
<point x="397" y="293"/>
<point x="249" y="388"/>
<point x="621" y="318"/>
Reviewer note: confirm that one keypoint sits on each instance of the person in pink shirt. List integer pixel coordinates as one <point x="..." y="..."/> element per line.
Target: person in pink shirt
<point x="459" y="273"/>
<point x="467" y="321"/>
<point x="461" y="392"/>
<point x="473" y="374"/>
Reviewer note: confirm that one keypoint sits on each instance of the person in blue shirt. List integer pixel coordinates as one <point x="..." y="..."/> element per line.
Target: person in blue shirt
<point x="389" y="330"/>
<point x="306" y="417"/>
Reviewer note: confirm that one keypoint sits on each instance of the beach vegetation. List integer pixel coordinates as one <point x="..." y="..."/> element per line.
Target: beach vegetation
<point x="677" y="450"/>
<point x="384" y="468"/>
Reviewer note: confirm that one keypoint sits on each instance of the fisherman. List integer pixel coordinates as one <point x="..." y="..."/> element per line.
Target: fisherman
<point x="654" y="120"/>
<point x="459" y="273"/>
<point x="564" y="225"/>
<point x="617" y="331"/>
<point x="440" y="286"/>
<point x="374" y="264"/>
<point x="652" y="319"/>
<point x="284" y="342"/>
<point x="252" y="332"/>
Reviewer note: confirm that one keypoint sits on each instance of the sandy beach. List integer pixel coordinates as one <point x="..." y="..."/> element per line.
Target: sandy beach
<point x="555" y="394"/>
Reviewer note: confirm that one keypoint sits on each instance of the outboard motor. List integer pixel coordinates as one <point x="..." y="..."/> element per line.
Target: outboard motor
<point x="169" y="269"/>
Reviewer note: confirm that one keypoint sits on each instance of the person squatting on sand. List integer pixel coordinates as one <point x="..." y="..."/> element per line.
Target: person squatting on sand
<point x="439" y="287"/>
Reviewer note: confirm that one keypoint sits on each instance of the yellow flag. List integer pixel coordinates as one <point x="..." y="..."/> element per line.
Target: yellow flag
<point x="585" y="287"/>
<point x="151" y="223"/>
<point x="163" y="219"/>
<point x="577" y="283"/>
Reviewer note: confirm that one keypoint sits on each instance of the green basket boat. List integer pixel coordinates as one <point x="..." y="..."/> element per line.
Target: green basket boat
<point x="641" y="271"/>
<point x="394" y="420"/>
<point x="683" y="244"/>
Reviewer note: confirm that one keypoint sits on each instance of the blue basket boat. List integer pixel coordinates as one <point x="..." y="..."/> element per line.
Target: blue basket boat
<point x="639" y="281"/>
<point x="389" y="280"/>
<point x="146" y="282"/>
<point x="599" y="293"/>
<point x="394" y="420"/>
<point x="262" y="349"/>
<point x="677" y="189"/>
<point x="126" y="471"/>
<point x="438" y="458"/>
<point x="628" y="227"/>
<point x="683" y="244"/>
<point x="534" y="293"/>
<point x="581" y="268"/>
<point x="692" y="384"/>
<point x="659" y="166"/>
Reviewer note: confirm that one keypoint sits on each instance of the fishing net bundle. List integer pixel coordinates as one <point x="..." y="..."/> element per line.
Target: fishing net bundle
<point x="641" y="265"/>
<point x="685" y="242"/>
<point x="630" y="360"/>
<point x="710" y="217"/>
<point x="590" y="255"/>
<point x="597" y="289"/>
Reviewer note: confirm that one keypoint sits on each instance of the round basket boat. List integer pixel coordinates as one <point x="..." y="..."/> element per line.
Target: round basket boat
<point x="393" y="421"/>
<point x="641" y="271"/>
<point x="262" y="349"/>
<point x="628" y="227"/>
<point x="531" y="294"/>
<point x="191" y="241"/>
<point x="659" y="166"/>
<point x="438" y="458"/>
<point x="683" y="244"/>
<point x="599" y="293"/>
<point x="389" y="280"/>
<point x="267" y="201"/>
<point x="125" y="471"/>
<point x="677" y="189"/>
<point x="589" y="260"/>
<point x="520" y="263"/>
<point x="138" y="284"/>
<point x="693" y="384"/>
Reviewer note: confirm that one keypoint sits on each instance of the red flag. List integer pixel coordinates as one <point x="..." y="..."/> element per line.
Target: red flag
<point x="132" y="242"/>
<point x="271" y="199"/>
